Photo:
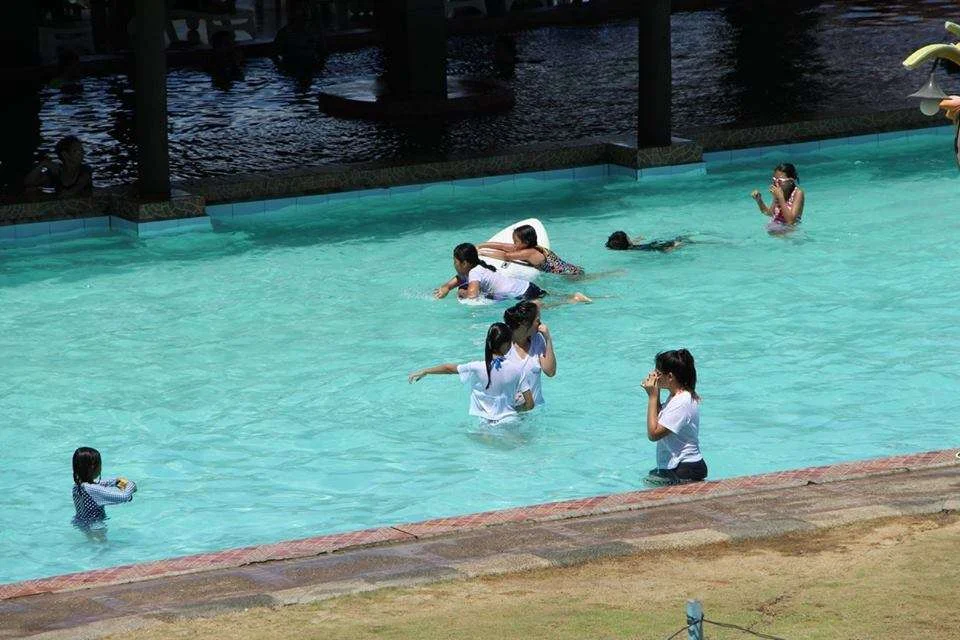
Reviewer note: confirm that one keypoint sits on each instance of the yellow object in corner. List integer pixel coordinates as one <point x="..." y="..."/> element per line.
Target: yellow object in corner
<point x="949" y="52"/>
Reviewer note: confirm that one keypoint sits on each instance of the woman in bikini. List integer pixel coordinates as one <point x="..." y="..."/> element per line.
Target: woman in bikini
<point x="787" y="206"/>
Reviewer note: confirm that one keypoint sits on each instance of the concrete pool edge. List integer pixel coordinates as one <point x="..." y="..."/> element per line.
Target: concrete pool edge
<point x="438" y="527"/>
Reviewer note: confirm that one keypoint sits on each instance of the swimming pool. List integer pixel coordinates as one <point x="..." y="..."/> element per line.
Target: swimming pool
<point x="253" y="380"/>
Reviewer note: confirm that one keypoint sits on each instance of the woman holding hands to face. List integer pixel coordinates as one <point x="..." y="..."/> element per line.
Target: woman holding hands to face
<point x="786" y="210"/>
<point x="674" y="426"/>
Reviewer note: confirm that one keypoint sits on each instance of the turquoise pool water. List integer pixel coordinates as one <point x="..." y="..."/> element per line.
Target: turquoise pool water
<point x="253" y="380"/>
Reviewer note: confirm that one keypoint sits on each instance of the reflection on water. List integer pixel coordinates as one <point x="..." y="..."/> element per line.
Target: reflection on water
<point x="749" y="63"/>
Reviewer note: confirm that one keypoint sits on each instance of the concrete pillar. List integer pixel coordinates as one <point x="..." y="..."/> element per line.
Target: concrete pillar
<point x="150" y="88"/>
<point x="415" y="47"/>
<point x="653" y="117"/>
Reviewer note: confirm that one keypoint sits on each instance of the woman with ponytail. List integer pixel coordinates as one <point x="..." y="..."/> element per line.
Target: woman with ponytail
<point x="674" y="426"/>
<point x="477" y="279"/>
<point x="499" y="387"/>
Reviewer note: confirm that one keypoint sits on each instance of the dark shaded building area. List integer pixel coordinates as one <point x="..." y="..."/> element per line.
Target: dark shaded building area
<point x="237" y="102"/>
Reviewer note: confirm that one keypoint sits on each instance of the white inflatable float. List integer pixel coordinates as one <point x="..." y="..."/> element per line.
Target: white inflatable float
<point x="518" y="270"/>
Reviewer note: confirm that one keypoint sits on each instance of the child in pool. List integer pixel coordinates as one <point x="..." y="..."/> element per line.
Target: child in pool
<point x="532" y="345"/>
<point x="620" y="241"/>
<point x="674" y="426"/>
<point x="526" y="249"/>
<point x="499" y="388"/>
<point x="91" y="495"/>
<point x="475" y="279"/>
<point x="786" y="210"/>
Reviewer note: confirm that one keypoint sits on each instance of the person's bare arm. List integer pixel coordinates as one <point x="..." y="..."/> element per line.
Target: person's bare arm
<point x="548" y="361"/>
<point x="447" y="368"/>
<point x="764" y="209"/>
<point x="530" y="256"/>
<point x="792" y="213"/>
<point x="498" y="246"/>
<point x="445" y="288"/>
<point x="471" y="291"/>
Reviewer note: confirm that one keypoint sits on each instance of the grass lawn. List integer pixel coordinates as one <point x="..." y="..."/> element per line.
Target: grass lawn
<point x="891" y="578"/>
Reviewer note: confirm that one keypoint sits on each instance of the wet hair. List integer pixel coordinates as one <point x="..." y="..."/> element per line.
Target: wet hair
<point x="791" y="172"/>
<point x="527" y="236"/>
<point x="467" y="252"/>
<point x="521" y="314"/>
<point x="64" y="144"/>
<point x="497" y="335"/>
<point x="679" y="362"/>
<point x="788" y="169"/>
<point x="618" y="241"/>
<point x="86" y="465"/>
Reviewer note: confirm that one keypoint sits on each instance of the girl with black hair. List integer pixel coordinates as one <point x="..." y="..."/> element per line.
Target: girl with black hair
<point x="787" y="206"/>
<point x="477" y="279"/>
<point x="674" y="426"/>
<point x="90" y="495"/>
<point x="70" y="177"/>
<point x="620" y="241"/>
<point x="526" y="249"/>
<point x="532" y="344"/>
<point x="499" y="388"/>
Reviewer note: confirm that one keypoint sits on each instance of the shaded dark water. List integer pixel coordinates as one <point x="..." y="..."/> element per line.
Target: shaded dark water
<point x="752" y="63"/>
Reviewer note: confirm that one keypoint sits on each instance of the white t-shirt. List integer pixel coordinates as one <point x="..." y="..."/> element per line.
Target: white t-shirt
<point x="681" y="416"/>
<point x="531" y="364"/>
<point x="497" y="402"/>
<point x="495" y="285"/>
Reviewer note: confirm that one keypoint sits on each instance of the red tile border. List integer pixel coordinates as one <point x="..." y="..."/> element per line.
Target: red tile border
<point x="306" y="547"/>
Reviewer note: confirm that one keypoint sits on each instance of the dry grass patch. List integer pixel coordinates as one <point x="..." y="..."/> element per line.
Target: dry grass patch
<point x="891" y="578"/>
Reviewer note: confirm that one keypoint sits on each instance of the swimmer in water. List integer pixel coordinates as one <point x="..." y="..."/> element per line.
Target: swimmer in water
<point x="786" y="210"/>
<point x="477" y="279"/>
<point x="499" y="386"/>
<point x="619" y="241"/>
<point x="526" y="249"/>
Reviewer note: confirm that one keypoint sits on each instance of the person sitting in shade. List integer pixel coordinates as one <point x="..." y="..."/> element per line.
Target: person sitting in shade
<point x="70" y="177"/>
<point x="299" y="47"/>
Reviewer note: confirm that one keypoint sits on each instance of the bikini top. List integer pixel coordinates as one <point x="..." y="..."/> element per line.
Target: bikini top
<point x="778" y="215"/>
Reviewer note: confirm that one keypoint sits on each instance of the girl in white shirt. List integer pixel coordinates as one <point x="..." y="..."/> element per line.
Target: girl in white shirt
<point x="532" y="344"/>
<point x="675" y="426"/>
<point x="477" y="279"/>
<point x="499" y="387"/>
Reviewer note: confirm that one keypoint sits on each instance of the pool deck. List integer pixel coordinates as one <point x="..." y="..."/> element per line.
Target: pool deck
<point x="97" y="603"/>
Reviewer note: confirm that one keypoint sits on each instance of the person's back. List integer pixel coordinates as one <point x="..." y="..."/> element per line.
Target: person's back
<point x="90" y="495"/>
<point x="496" y="400"/>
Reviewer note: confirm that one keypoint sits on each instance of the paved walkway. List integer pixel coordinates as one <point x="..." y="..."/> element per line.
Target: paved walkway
<point x="555" y="534"/>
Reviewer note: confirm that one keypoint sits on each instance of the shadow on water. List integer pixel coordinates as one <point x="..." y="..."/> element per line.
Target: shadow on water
<point x="776" y="61"/>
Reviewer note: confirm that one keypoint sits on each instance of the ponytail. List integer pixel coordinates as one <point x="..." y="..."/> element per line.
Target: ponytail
<point x="679" y="363"/>
<point x="467" y="252"/>
<point x="498" y="335"/>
